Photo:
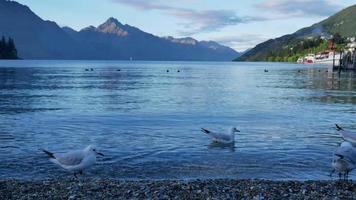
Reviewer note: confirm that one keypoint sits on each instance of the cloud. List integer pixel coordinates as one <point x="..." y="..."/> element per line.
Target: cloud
<point x="197" y="20"/>
<point x="144" y="4"/>
<point x="240" y="42"/>
<point x="300" y="8"/>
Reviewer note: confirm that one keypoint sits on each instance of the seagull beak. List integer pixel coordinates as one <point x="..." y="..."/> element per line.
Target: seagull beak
<point x="238" y="130"/>
<point x="100" y="154"/>
<point x="340" y="156"/>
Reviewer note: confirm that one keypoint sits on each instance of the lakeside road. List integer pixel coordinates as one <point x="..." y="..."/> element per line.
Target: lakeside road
<point x="177" y="189"/>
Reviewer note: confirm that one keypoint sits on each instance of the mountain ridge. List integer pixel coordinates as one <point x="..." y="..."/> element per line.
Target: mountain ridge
<point x="42" y="39"/>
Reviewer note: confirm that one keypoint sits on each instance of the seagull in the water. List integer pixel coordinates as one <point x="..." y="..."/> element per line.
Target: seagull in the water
<point x="344" y="160"/>
<point x="225" y="138"/>
<point x="347" y="135"/>
<point x="75" y="161"/>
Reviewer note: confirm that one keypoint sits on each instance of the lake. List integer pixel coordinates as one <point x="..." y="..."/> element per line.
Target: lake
<point x="147" y="121"/>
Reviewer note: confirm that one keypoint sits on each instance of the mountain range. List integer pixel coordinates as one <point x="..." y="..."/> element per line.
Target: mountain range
<point x="36" y="38"/>
<point x="343" y="23"/>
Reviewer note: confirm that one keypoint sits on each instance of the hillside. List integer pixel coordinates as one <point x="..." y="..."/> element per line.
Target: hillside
<point x="40" y="39"/>
<point x="342" y="23"/>
<point x="35" y="38"/>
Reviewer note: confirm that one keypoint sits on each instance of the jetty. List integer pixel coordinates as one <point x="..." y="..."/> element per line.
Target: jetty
<point x="347" y="58"/>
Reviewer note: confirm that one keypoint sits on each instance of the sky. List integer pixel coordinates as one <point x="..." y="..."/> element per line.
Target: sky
<point x="235" y="23"/>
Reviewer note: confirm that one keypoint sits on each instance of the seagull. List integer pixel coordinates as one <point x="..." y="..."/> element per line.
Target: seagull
<point x="75" y="161"/>
<point x="225" y="138"/>
<point x="344" y="160"/>
<point x="347" y="135"/>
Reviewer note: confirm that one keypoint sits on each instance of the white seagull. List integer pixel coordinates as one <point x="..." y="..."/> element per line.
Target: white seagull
<point x="225" y="138"/>
<point x="347" y="135"/>
<point x="75" y="161"/>
<point x="344" y="159"/>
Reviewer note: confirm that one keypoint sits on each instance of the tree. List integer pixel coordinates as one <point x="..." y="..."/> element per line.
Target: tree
<point x="337" y="38"/>
<point x="7" y="49"/>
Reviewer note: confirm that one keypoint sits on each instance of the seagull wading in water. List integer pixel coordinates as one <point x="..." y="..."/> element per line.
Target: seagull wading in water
<point x="225" y="138"/>
<point x="344" y="160"/>
<point x="75" y="161"/>
<point x="347" y="135"/>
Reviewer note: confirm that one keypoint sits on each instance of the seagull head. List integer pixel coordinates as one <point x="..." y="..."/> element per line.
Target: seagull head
<point x="92" y="149"/>
<point x="234" y="130"/>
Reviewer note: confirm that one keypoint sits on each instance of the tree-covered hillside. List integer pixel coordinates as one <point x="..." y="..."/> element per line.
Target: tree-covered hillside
<point x="307" y="40"/>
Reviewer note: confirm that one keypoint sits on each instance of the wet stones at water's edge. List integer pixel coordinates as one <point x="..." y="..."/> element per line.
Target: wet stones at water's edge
<point x="171" y="189"/>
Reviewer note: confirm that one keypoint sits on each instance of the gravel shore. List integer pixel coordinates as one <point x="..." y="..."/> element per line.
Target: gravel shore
<point x="171" y="189"/>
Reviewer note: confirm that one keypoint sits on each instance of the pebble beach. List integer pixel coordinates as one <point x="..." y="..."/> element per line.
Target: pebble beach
<point x="177" y="189"/>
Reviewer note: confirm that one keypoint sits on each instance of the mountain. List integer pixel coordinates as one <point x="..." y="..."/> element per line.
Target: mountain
<point x="342" y="23"/>
<point x="34" y="37"/>
<point x="117" y="41"/>
<point x="40" y="39"/>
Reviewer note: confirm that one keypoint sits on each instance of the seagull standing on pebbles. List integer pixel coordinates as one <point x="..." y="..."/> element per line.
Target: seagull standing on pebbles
<point x="75" y="161"/>
<point x="225" y="138"/>
<point x="344" y="160"/>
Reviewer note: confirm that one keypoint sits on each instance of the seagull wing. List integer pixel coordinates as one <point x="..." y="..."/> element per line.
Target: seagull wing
<point x="348" y="153"/>
<point x="70" y="158"/>
<point x="348" y="136"/>
<point x="223" y="136"/>
<point x="218" y="136"/>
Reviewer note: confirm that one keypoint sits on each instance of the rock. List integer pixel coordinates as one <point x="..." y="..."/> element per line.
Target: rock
<point x="194" y="189"/>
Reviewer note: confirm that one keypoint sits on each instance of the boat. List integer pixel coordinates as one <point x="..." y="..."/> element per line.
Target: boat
<point x="309" y="59"/>
<point x="328" y="57"/>
<point x="300" y="60"/>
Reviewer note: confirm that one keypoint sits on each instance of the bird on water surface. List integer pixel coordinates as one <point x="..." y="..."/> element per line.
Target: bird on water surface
<point x="75" y="161"/>
<point x="225" y="138"/>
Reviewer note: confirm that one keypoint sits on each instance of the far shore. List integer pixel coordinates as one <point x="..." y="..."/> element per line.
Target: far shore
<point x="176" y="189"/>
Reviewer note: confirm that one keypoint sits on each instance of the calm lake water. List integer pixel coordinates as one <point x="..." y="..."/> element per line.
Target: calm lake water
<point x="147" y="121"/>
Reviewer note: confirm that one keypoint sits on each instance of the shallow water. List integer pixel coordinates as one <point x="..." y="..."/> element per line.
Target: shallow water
<point x="147" y="121"/>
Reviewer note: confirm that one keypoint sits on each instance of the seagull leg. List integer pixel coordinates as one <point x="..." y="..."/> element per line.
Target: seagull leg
<point x="81" y="172"/>
<point x="75" y="175"/>
<point x="340" y="176"/>
<point x="347" y="175"/>
<point x="331" y="173"/>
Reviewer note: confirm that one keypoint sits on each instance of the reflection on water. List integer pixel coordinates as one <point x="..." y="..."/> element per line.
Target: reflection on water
<point x="147" y="121"/>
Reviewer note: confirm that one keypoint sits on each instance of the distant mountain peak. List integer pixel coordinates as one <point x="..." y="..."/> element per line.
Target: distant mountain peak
<point x="186" y="40"/>
<point x="89" y="28"/>
<point x="113" y="20"/>
<point x="112" y="26"/>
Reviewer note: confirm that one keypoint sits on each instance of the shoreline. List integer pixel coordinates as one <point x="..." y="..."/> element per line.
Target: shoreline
<point x="176" y="189"/>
